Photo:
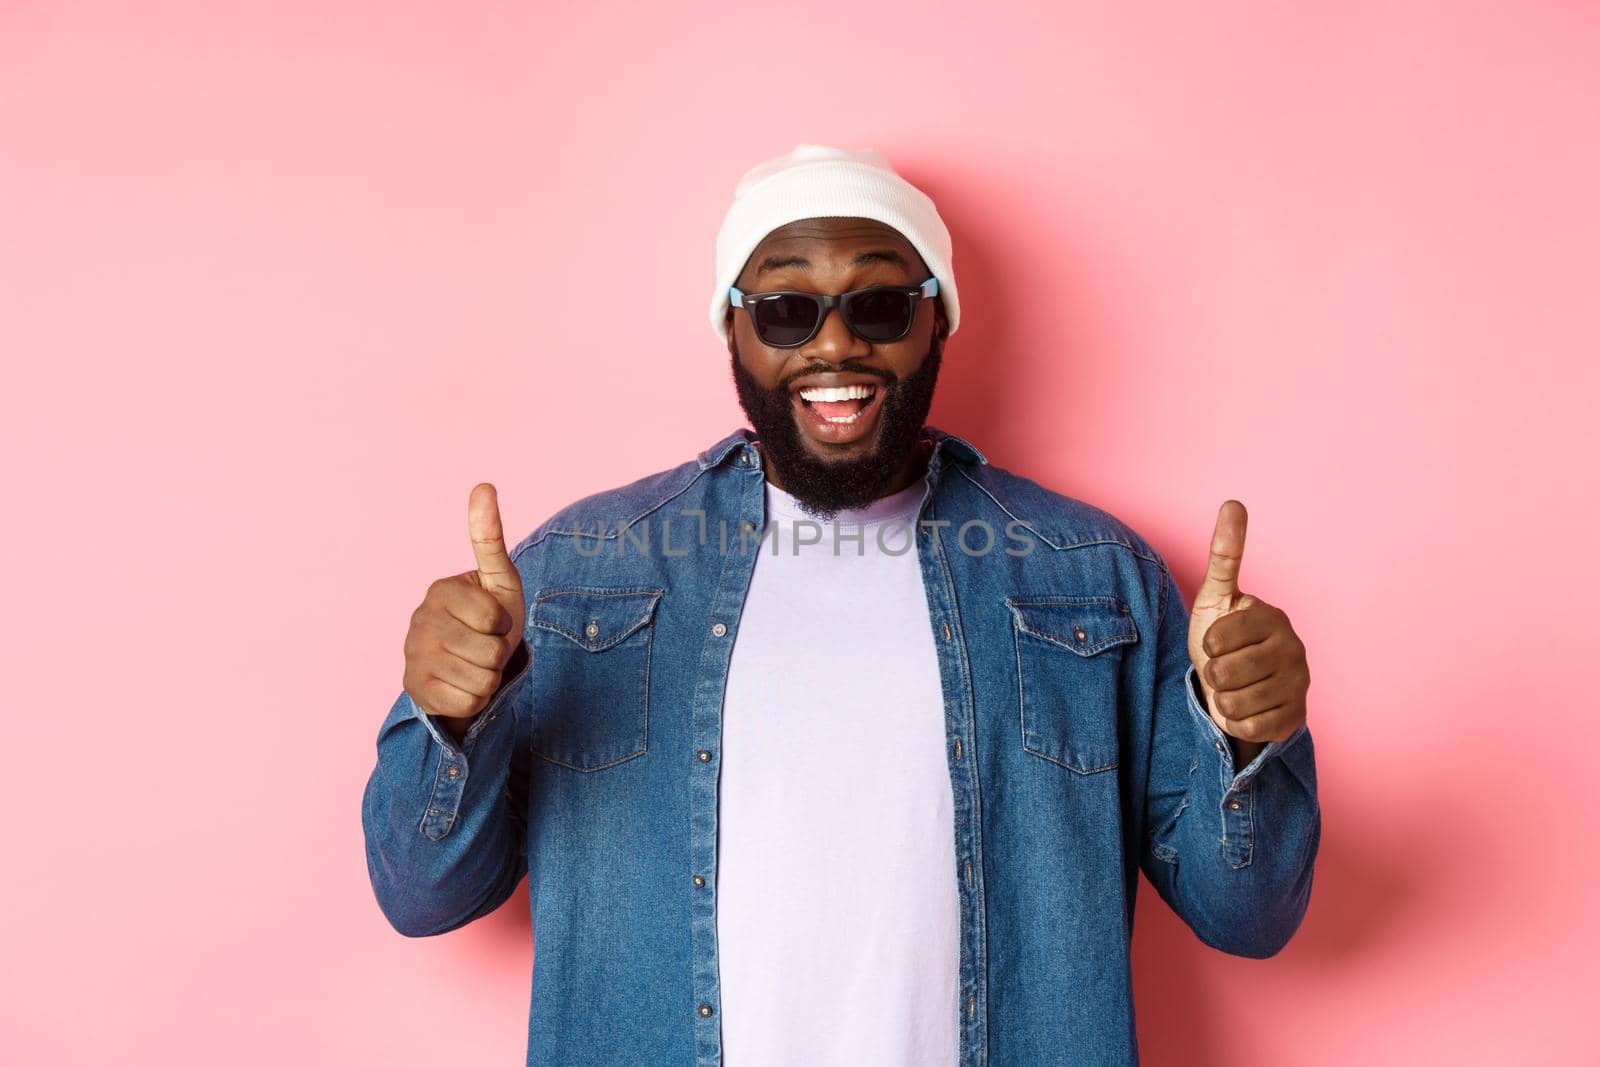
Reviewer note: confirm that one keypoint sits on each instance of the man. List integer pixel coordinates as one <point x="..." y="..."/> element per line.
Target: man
<point x="838" y="744"/>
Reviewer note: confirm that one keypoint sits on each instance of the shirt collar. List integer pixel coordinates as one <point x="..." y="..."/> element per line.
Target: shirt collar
<point x="739" y="448"/>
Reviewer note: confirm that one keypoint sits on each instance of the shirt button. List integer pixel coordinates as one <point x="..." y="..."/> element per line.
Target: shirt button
<point x="705" y="1010"/>
<point x="1234" y="804"/>
<point x="705" y="757"/>
<point x="717" y="630"/>
<point x="1220" y="746"/>
<point x="592" y="629"/>
<point x="1079" y="634"/>
<point x="747" y="526"/>
<point x="454" y="771"/>
<point x="1123" y="608"/>
<point x="699" y="882"/>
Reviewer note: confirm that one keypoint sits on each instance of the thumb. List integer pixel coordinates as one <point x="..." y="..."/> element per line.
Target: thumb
<point x="496" y="573"/>
<point x="1221" y="584"/>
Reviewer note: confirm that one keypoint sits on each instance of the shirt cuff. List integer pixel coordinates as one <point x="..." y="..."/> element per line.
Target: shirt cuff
<point x="452" y="767"/>
<point x="1234" y="780"/>
<point x="517" y="666"/>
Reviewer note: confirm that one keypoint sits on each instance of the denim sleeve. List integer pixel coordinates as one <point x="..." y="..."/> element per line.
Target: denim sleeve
<point x="1230" y="850"/>
<point x="445" y="825"/>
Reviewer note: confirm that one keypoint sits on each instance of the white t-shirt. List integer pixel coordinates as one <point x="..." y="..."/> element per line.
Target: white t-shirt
<point x="837" y="907"/>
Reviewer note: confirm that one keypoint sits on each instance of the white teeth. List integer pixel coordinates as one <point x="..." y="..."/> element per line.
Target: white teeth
<point x="837" y="392"/>
<point x="844" y="418"/>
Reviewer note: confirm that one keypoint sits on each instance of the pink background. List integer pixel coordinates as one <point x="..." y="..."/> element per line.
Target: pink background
<point x="280" y="282"/>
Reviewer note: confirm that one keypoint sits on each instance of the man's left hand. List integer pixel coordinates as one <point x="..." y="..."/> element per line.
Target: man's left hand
<point x="1250" y="662"/>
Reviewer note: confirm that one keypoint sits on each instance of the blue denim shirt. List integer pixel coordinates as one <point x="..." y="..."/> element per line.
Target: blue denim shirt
<point x="1078" y="745"/>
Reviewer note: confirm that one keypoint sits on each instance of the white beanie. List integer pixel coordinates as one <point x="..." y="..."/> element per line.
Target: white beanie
<point x="815" y="181"/>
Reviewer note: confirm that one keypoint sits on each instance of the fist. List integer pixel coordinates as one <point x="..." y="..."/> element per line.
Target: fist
<point x="469" y="625"/>
<point x="1250" y="662"/>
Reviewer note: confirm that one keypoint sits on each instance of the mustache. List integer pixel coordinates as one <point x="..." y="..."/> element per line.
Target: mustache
<point x="849" y="366"/>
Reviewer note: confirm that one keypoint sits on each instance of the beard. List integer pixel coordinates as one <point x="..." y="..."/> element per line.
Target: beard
<point x="826" y="487"/>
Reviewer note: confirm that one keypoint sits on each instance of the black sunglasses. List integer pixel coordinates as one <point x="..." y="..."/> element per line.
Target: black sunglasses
<point x="788" y="318"/>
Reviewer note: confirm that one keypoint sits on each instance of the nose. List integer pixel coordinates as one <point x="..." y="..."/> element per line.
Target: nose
<point x="834" y="343"/>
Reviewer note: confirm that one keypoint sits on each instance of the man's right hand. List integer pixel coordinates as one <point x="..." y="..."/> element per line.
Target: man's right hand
<point x="468" y="626"/>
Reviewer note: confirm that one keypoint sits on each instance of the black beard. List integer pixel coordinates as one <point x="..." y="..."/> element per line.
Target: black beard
<point x="826" y="487"/>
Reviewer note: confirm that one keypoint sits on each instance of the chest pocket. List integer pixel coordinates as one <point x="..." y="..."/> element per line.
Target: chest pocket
<point x="1069" y="659"/>
<point x="591" y="674"/>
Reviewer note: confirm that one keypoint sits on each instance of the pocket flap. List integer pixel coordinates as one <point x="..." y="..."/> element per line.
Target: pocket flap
<point x="1081" y="624"/>
<point x="594" y="618"/>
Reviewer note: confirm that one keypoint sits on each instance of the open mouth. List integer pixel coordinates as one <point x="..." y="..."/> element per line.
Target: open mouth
<point x="839" y="414"/>
<point x="841" y="404"/>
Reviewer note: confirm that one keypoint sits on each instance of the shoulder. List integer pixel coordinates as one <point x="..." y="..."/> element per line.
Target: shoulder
<point x="623" y="505"/>
<point x="1059" y="521"/>
<point x="1080" y="542"/>
<point x="632" y="503"/>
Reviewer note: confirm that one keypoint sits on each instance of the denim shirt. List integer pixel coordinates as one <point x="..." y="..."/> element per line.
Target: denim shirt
<point x="1078" y="745"/>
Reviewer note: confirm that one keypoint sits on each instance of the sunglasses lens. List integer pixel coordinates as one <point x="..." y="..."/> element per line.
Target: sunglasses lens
<point x="881" y="315"/>
<point x="784" y="320"/>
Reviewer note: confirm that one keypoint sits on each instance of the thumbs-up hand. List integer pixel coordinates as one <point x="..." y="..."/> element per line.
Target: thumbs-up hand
<point x="1250" y="662"/>
<point x="469" y="625"/>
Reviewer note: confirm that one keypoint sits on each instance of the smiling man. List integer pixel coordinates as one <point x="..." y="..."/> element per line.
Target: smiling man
<point x="836" y="743"/>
